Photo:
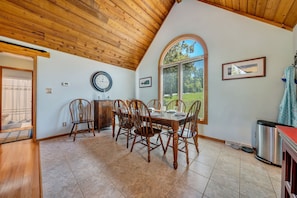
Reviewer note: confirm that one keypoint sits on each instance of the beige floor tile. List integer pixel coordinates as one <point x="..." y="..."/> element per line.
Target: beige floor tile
<point x="216" y="190"/>
<point x="98" y="186"/>
<point x="208" y="157"/>
<point x="225" y="179"/>
<point x="228" y="167"/>
<point x="253" y="166"/>
<point x="277" y="188"/>
<point x="101" y="167"/>
<point x="257" y="179"/>
<point x="72" y="191"/>
<point x="274" y="172"/>
<point x="194" y="180"/>
<point x="179" y="191"/>
<point x="201" y="168"/>
<point x="59" y="180"/>
<point x="252" y="190"/>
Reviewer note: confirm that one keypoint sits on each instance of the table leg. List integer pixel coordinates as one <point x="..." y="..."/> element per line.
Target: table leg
<point x="113" y="123"/>
<point x="175" y="144"/>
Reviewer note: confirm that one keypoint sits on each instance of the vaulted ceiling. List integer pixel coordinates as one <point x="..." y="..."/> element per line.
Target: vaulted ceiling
<point x="281" y="13"/>
<point x="116" y="32"/>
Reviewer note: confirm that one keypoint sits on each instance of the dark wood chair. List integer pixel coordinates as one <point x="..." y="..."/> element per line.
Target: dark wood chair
<point x="188" y="130"/>
<point x="154" y="103"/>
<point x="144" y="127"/>
<point x="81" y="113"/>
<point x="176" y="105"/>
<point x="124" y="117"/>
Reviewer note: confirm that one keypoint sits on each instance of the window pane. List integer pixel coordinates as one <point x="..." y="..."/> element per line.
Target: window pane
<point x="187" y="81"/>
<point x="193" y="87"/>
<point x="170" y="84"/>
<point x="183" y="50"/>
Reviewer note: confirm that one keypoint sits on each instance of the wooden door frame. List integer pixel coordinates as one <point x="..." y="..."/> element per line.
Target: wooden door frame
<point x="33" y="53"/>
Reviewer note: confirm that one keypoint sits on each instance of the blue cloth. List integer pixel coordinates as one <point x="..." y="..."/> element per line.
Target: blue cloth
<point x="288" y="107"/>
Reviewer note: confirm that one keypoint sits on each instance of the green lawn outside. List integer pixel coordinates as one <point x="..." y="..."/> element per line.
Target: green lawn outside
<point x="188" y="98"/>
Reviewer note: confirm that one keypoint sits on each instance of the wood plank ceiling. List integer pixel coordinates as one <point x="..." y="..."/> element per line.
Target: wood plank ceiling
<point x="281" y="13"/>
<point x="116" y="32"/>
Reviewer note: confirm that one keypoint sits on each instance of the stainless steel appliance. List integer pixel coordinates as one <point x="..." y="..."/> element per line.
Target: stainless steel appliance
<point x="268" y="143"/>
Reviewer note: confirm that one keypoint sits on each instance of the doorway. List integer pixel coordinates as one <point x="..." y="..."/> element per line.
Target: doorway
<point x="16" y="104"/>
<point x="22" y="58"/>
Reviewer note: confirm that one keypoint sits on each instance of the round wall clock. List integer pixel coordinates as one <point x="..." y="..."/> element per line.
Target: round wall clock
<point x="101" y="81"/>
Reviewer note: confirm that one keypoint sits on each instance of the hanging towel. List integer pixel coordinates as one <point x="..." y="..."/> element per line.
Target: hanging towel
<point x="288" y="107"/>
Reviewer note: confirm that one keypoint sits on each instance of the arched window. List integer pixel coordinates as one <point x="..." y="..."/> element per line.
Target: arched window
<point x="183" y="72"/>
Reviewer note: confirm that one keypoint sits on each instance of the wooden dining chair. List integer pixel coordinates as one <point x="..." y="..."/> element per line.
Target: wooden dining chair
<point x="178" y="105"/>
<point x="173" y="106"/>
<point x="154" y="103"/>
<point x="81" y="114"/>
<point x="188" y="130"/>
<point x="144" y="127"/>
<point x="125" y="122"/>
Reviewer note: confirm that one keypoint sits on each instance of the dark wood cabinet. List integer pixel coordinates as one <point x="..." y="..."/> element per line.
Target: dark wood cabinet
<point x="289" y="163"/>
<point x="102" y="114"/>
<point x="289" y="171"/>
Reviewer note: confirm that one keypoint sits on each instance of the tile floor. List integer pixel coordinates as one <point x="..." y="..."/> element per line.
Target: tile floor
<point x="101" y="167"/>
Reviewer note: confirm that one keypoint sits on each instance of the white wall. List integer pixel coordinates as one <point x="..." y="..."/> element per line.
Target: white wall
<point x="52" y="109"/>
<point x="295" y="39"/>
<point x="16" y="61"/>
<point x="234" y="105"/>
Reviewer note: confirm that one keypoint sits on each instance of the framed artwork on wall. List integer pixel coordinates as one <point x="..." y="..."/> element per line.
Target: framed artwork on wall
<point x="145" y="82"/>
<point x="250" y="68"/>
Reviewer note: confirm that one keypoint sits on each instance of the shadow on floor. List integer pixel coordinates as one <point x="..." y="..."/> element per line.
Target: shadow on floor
<point x="7" y="137"/>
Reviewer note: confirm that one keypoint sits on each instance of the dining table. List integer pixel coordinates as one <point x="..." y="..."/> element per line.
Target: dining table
<point x="165" y="118"/>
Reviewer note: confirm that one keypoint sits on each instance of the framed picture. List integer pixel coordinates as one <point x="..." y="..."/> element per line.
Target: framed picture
<point x="145" y="82"/>
<point x="250" y="68"/>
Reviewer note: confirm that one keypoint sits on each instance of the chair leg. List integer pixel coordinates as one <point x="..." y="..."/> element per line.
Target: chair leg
<point x="196" y="143"/>
<point x="128" y="134"/>
<point x="187" y="152"/>
<point x="75" y="132"/>
<point x="71" y="130"/>
<point x="92" y="128"/>
<point x="118" y="133"/>
<point x="157" y="140"/>
<point x="133" y="143"/>
<point x="161" y="128"/>
<point x="167" y="144"/>
<point x="88" y="127"/>
<point x="159" y="136"/>
<point x="148" y="149"/>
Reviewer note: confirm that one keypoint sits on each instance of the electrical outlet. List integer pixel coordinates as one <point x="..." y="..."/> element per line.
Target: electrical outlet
<point x="48" y="90"/>
<point x="64" y="124"/>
